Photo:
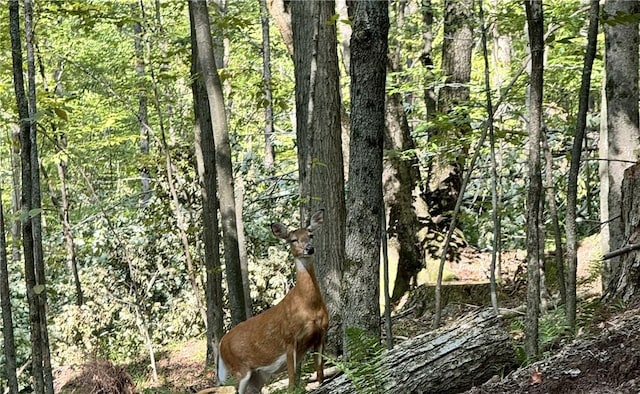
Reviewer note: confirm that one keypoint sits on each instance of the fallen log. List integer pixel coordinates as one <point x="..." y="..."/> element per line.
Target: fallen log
<point x="451" y="359"/>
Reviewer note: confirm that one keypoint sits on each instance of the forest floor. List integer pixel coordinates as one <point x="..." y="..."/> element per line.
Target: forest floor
<point x="603" y="358"/>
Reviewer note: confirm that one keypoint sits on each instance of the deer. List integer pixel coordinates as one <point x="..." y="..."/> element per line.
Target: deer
<point x="281" y="336"/>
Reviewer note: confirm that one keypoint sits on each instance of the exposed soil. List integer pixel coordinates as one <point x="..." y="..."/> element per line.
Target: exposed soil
<point x="608" y="362"/>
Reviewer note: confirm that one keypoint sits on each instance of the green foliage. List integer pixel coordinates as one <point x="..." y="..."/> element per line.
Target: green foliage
<point x="364" y="367"/>
<point x="552" y="329"/>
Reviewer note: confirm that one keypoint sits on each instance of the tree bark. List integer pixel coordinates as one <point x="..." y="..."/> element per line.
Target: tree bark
<point x="536" y="43"/>
<point x="622" y="134"/>
<point x="279" y="10"/>
<point x="269" y="152"/>
<point x="369" y="47"/>
<point x="401" y="176"/>
<point x="450" y="359"/>
<point x="9" y="349"/>
<point x="426" y="58"/>
<point x="626" y="284"/>
<point x="318" y="130"/>
<point x="444" y="177"/>
<point x="224" y="168"/>
<point x="574" y="166"/>
<point x="143" y="116"/>
<point x="26" y="199"/>
<point x="205" y="157"/>
<point x="400" y="179"/>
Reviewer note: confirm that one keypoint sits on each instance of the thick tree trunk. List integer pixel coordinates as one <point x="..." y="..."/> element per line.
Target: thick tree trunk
<point x="321" y="173"/>
<point x="621" y="135"/>
<point x="445" y="174"/>
<point x="400" y="178"/>
<point x="224" y="169"/>
<point x="626" y="284"/>
<point x="362" y="246"/>
<point x="448" y="360"/>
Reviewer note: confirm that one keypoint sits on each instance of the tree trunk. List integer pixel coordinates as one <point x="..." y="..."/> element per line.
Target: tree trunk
<point x="205" y="157"/>
<point x="224" y="168"/>
<point x="279" y="10"/>
<point x="269" y="152"/>
<point x="62" y="205"/>
<point x="574" y="166"/>
<point x="9" y="350"/>
<point x="444" y="178"/>
<point x="426" y="58"/>
<point x="555" y="223"/>
<point x="536" y="42"/>
<point x="37" y="372"/>
<point x="451" y="359"/>
<point x="621" y="135"/>
<point x="318" y="130"/>
<point x="369" y="47"/>
<point x="626" y="284"/>
<point x="143" y="117"/>
<point x="400" y="179"/>
<point x="16" y="225"/>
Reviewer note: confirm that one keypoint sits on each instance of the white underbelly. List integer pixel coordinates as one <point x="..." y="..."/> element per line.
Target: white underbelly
<point x="276" y="366"/>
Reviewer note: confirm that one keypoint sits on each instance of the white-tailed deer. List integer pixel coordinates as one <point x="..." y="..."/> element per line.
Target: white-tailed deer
<point x="257" y="348"/>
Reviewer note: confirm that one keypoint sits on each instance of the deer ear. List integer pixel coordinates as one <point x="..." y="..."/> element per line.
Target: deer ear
<point x="280" y="230"/>
<point x="316" y="220"/>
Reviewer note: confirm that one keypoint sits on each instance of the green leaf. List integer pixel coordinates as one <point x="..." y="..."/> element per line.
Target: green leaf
<point x="28" y="215"/>
<point x="62" y="114"/>
<point x="38" y="289"/>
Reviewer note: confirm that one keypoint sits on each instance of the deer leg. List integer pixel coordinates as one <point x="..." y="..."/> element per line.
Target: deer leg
<point x="291" y="366"/>
<point x="319" y="349"/>
<point x="244" y="383"/>
<point x="256" y="382"/>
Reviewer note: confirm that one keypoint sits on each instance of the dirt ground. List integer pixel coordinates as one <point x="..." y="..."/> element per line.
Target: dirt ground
<point x="608" y="362"/>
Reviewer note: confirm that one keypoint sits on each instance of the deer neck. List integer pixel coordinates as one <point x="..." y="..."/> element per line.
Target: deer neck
<point x="306" y="274"/>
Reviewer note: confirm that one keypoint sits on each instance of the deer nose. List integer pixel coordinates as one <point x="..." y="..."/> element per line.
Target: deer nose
<point x="309" y="249"/>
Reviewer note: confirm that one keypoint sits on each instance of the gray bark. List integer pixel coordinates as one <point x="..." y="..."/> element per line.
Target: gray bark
<point x="205" y="157"/>
<point x="224" y="169"/>
<point x="318" y="130"/>
<point x="444" y="176"/>
<point x="536" y="43"/>
<point x="621" y="135"/>
<point x="362" y="252"/>
<point x="9" y="349"/>
<point x="626" y="284"/>
<point x="450" y="359"/>
<point x="400" y="178"/>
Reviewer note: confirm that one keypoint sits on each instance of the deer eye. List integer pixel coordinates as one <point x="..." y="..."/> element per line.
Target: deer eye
<point x="293" y="241"/>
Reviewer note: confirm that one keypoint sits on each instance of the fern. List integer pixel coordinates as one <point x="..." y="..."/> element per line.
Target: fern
<point x="364" y="367"/>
